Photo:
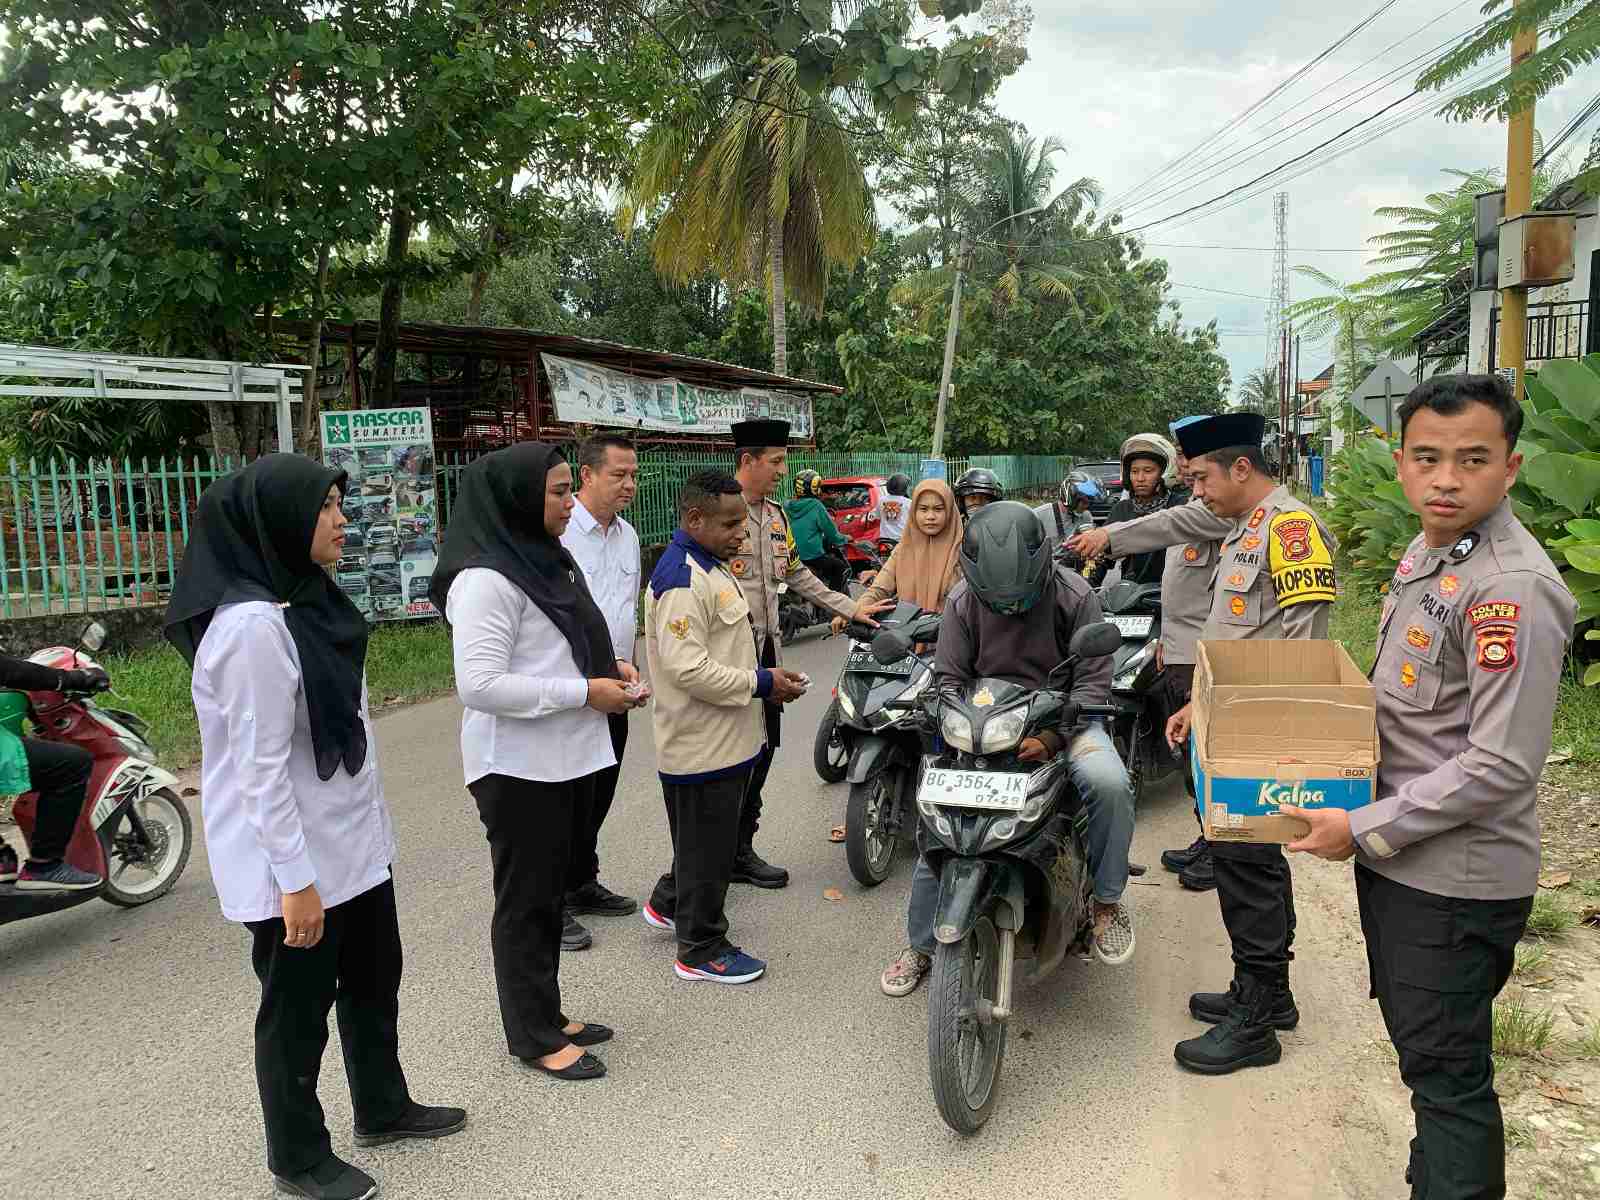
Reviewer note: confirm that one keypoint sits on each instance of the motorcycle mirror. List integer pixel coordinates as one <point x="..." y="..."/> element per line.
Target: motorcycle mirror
<point x="93" y="636"/>
<point x="890" y="646"/>
<point x="1096" y="641"/>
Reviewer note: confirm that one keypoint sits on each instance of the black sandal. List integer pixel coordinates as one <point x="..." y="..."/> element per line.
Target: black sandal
<point x="587" y="1067"/>
<point x="592" y="1034"/>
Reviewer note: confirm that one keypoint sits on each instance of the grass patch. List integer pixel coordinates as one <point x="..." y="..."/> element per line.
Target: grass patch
<point x="1354" y="621"/>
<point x="1519" y="1134"/>
<point x="406" y="661"/>
<point x="1531" y="960"/>
<point x="1587" y="1043"/>
<point x="1521" y="1031"/>
<point x="1550" y="917"/>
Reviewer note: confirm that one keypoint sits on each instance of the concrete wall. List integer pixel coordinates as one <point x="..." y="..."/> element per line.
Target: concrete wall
<point x="129" y="629"/>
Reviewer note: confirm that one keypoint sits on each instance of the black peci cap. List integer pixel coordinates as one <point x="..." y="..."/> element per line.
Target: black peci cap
<point x="1220" y="432"/>
<point x="752" y="435"/>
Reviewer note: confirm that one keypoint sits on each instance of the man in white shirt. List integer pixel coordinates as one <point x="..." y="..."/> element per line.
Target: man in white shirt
<point x="606" y="547"/>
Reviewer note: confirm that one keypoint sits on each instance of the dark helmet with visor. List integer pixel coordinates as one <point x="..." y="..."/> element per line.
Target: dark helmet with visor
<point x="1005" y="557"/>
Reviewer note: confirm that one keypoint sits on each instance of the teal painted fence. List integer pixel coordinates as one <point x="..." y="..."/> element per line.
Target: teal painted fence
<point x="86" y="537"/>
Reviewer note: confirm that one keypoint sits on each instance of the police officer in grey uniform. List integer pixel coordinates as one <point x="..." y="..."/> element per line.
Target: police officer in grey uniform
<point x="1274" y="578"/>
<point x="765" y="560"/>
<point x="1471" y="648"/>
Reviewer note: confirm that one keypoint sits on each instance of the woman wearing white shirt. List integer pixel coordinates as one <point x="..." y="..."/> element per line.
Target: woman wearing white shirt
<point x="296" y="826"/>
<point x="536" y="671"/>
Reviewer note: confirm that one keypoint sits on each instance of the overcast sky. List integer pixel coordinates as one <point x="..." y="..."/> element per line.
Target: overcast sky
<point x="1130" y="88"/>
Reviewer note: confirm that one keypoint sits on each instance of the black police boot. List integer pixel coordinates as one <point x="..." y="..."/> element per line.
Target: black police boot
<point x="1177" y="860"/>
<point x="1212" y="1007"/>
<point x="1201" y="874"/>
<point x="749" y="867"/>
<point x="1242" y="1039"/>
<point x="573" y="935"/>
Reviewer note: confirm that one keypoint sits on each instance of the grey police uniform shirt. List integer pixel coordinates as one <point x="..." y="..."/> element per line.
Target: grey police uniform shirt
<point x="1470" y="649"/>
<point x="1186" y="577"/>
<point x="766" y="559"/>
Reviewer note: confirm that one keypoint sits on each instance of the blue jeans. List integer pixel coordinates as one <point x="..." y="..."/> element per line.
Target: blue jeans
<point x="1102" y="780"/>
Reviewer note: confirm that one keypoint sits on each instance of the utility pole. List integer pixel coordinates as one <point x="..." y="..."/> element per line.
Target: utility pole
<point x="1283" y="405"/>
<point x="1279" y="290"/>
<point x="950" y="347"/>
<point x="1519" y="197"/>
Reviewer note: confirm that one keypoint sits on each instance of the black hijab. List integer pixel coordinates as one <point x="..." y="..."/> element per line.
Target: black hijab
<point x="497" y="521"/>
<point x="251" y="540"/>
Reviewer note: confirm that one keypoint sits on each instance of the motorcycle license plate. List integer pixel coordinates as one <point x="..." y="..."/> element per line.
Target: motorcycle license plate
<point x="861" y="659"/>
<point x="1133" y="627"/>
<point x="1006" y="791"/>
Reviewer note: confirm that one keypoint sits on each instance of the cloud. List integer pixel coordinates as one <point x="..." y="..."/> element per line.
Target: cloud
<point x="1131" y="88"/>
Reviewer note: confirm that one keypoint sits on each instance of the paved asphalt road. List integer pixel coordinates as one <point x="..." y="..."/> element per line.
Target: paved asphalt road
<point x="126" y="1036"/>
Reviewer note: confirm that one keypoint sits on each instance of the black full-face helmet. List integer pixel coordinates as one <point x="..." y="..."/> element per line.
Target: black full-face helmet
<point x="898" y="485"/>
<point x="1005" y="557"/>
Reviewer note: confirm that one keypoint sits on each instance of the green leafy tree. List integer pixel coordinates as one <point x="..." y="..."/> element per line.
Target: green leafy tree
<point x="758" y="183"/>
<point x="1346" y="313"/>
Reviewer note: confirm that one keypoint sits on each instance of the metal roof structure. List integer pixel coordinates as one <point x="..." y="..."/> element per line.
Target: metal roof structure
<point x="183" y="380"/>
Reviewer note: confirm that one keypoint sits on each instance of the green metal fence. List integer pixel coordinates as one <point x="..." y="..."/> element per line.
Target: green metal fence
<point x="85" y="537"/>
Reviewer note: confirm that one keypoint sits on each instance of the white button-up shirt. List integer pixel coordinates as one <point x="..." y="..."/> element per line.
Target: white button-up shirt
<point x="527" y="704"/>
<point x="271" y="825"/>
<point x="610" y="562"/>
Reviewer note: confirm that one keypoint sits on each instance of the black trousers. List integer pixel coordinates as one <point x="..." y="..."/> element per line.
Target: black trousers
<point x="58" y="773"/>
<point x="1437" y="963"/>
<point x="355" y="969"/>
<point x="586" y="843"/>
<point x="832" y="569"/>
<point x="750" y="817"/>
<point x="1256" y="893"/>
<point x="704" y="819"/>
<point x="531" y="827"/>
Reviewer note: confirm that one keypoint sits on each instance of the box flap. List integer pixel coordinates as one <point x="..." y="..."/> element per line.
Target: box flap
<point x="1283" y="701"/>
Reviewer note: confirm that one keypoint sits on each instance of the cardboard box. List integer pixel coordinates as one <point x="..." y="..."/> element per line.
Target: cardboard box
<point x="1279" y="722"/>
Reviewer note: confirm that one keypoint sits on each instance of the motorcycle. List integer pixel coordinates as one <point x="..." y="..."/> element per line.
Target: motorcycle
<point x="132" y="820"/>
<point x="1007" y="841"/>
<point x="796" y="614"/>
<point x="887" y="733"/>
<point x="1139" y="729"/>
<point x="830" y="749"/>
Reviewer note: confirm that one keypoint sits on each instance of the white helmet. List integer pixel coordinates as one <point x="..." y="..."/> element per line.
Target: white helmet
<point x="1151" y="445"/>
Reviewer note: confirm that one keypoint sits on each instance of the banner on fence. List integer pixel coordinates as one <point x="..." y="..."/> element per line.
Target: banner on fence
<point x="392" y="542"/>
<point x="586" y="394"/>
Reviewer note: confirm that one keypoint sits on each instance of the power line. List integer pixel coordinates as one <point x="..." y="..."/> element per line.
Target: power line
<point x="1245" y="115"/>
<point x="1264" y="249"/>
<point x="1219" y="291"/>
<point x="1572" y="127"/>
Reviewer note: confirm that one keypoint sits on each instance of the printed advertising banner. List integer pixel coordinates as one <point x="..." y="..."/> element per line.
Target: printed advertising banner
<point x="589" y="395"/>
<point x="392" y="542"/>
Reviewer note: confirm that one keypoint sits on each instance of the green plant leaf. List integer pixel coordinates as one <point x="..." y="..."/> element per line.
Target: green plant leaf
<point x="1575" y="386"/>
<point x="1569" y="480"/>
<point x="1585" y="558"/>
<point x="1585" y="528"/>
<point x="1592" y="675"/>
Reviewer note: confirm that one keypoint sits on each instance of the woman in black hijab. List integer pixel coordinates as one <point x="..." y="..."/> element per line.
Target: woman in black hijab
<point x="296" y="827"/>
<point x="535" y="670"/>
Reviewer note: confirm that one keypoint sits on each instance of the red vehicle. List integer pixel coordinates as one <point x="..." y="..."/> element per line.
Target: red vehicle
<point x="856" y="504"/>
<point x="134" y="831"/>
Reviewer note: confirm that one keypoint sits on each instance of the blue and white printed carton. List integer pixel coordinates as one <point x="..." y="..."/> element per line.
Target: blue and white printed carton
<point x="1279" y="722"/>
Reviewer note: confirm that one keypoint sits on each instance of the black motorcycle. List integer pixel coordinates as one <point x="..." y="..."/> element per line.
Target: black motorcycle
<point x="1139" y="729"/>
<point x="796" y="614"/>
<point x="1007" y="840"/>
<point x="887" y="732"/>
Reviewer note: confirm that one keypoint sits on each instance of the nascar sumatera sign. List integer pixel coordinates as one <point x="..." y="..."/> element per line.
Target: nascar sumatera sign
<point x="391" y="542"/>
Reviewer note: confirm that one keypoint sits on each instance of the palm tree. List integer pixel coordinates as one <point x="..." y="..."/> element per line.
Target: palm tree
<point x="761" y="183"/>
<point x="1014" y="217"/>
<point x="1259" y="391"/>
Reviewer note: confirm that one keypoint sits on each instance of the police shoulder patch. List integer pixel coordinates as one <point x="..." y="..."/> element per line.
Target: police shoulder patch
<point x="1299" y="559"/>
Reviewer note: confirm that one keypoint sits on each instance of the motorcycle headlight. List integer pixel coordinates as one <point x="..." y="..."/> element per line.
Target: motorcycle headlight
<point x="1130" y="669"/>
<point x="1004" y="731"/>
<point x="957" y="730"/>
<point x="1040" y="788"/>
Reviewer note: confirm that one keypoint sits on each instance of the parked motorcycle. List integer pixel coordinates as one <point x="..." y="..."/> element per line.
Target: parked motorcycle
<point x="1007" y="841"/>
<point x="887" y="732"/>
<point x="796" y="614"/>
<point x="1139" y="729"/>
<point x="830" y="749"/>
<point x="134" y="830"/>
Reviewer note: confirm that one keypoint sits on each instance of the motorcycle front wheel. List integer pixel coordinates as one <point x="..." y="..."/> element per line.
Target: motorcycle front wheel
<point x="964" y="1053"/>
<point x="869" y="835"/>
<point x="146" y="849"/>
<point x="830" y="754"/>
